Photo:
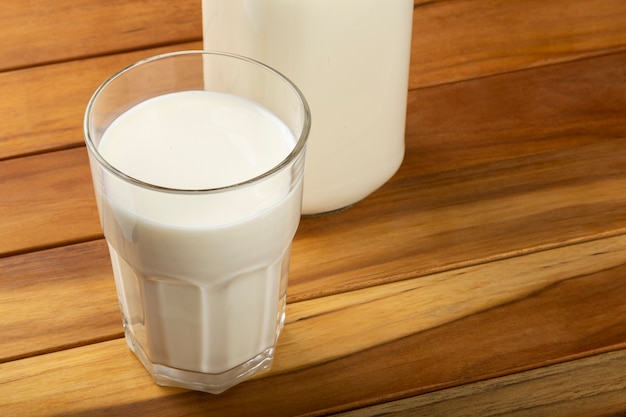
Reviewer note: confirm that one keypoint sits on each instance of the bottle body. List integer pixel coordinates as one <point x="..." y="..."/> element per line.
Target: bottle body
<point x="351" y="60"/>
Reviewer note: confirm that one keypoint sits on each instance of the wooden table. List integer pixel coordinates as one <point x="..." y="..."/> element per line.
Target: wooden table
<point x="487" y="277"/>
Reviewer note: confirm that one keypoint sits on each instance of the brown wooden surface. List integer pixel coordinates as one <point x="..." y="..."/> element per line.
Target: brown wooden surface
<point x="493" y="264"/>
<point x="460" y="39"/>
<point x="590" y="386"/>
<point x="36" y="32"/>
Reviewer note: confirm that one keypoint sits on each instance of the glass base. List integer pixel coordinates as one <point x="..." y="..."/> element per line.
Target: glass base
<point x="197" y="381"/>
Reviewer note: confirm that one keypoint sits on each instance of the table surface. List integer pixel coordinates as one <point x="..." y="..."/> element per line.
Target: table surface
<point x="487" y="277"/>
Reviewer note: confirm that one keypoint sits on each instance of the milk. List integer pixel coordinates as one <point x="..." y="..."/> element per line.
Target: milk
<point x="351" y="60"/>
<point x="201" y="276"/>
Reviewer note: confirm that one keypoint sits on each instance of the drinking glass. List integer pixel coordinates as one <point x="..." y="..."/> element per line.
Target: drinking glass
<point x="200" y="270"/>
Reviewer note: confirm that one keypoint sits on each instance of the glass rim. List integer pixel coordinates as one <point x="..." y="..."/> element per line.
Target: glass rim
<point x="291" y="156"/>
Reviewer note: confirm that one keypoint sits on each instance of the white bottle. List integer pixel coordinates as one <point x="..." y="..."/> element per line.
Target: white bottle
<point x="351" y="60"/>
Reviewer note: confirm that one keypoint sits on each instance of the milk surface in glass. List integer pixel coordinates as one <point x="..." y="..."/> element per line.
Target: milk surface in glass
<point x="350" y="58"/>
<point x="201" y="278"/>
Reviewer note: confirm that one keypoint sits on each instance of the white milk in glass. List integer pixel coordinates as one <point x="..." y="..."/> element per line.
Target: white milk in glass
<point x="350" y="58"/>
<point x="201" y="276"/>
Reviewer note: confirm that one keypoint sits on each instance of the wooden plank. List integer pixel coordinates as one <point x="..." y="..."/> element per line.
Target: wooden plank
<point x="44" y="106"/>
<point x="36" y="32"/>
<point x="521" y="179"/>
<point x="493" y="167"/>
<point x="446" y="48"/>
<point x="465" y="39"/>
<point x="594" y="386"/>
<point x="433" y="223"/>
<point x="574" y="99"/>
<point x="56" y="299"/>
<point x="516" y="115"/>
<point x="424" y="242"/>
<point x="453" y="40"/>
<point x="47" y="200"/>
<point x="372" y="345"/>
<point x="427" y="224"/>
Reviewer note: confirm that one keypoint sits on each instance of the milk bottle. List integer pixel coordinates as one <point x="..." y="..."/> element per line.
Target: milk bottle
<point x="351" y="60"/>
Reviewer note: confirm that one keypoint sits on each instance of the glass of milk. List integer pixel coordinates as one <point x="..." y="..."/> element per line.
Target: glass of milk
<point x="351" y="60"/>
<point x="197" y="161"/>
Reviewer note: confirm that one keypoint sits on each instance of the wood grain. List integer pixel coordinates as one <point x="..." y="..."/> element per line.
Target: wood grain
<point x="493" y="167"/>
<point x="47" y="200"/>
<point x="47" y="103"/>
<point x="486" y="278"/>
<point x="377" y="344"/>
<point x="464" y="217"/>
<point x="36" y="33"/>
<point x="55" y="299"/>
<point x="464" y="39"/>
<point x="373" y="316"/>
<point x="594" y="386"/>
<point x="452" y="41"/>
<point x="520" y="181"/>
<point x="516" y="115"/>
